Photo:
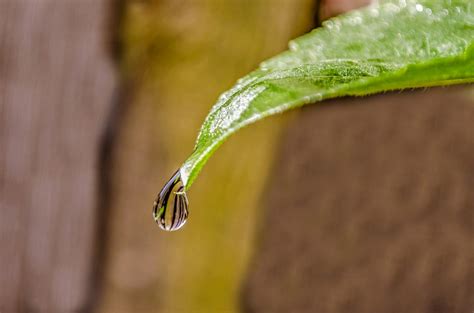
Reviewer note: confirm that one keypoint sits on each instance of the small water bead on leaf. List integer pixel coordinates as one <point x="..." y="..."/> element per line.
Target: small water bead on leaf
<point x="170" y="210"/>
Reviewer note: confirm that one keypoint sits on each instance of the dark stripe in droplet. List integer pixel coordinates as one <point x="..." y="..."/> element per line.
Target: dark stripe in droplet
<point x="175" y="210"/>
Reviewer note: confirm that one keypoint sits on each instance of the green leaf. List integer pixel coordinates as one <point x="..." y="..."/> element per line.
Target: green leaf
<point x="396" y="44"/>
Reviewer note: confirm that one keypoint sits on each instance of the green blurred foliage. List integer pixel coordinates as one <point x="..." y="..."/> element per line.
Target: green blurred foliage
<point x="178" y="56"/>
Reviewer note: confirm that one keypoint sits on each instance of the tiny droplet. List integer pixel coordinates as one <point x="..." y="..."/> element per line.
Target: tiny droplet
<point x="170" y="210"/>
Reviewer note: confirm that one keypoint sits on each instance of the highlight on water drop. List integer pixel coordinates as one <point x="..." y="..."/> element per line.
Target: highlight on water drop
<point x="170" y="210"/>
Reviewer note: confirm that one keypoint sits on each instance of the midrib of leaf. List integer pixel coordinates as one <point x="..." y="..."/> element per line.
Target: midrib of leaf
<point x="391" y="46"/>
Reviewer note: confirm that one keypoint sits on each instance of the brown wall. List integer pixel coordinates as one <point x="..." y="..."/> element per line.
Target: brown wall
<point x="56" y="81"/>
<point x="371" y="208"/>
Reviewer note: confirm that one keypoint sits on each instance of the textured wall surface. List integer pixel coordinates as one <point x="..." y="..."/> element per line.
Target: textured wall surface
<point x="56" y="81"/>
<point x="371" y="208"/>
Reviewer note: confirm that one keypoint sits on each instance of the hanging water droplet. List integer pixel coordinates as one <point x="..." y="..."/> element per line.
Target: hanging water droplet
<point x="170" y="209"/>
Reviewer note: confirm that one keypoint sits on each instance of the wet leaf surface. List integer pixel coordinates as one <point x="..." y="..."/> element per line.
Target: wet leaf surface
<point x="396" y="44"/>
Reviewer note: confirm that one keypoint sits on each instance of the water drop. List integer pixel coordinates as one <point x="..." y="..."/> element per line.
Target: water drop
<point x="170" y="210"/>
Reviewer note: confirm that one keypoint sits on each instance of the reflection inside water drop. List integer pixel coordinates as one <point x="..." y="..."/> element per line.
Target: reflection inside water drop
<point x="170" y="209"/>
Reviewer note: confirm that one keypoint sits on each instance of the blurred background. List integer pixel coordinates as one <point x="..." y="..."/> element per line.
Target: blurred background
<point x="361" y="205"/>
